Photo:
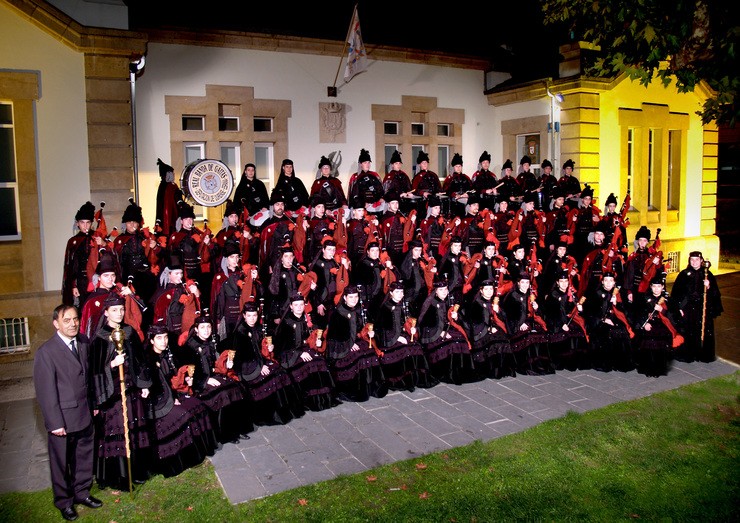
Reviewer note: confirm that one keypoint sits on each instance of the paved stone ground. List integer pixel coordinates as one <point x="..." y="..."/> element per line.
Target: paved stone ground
<point x="354" y="437"/>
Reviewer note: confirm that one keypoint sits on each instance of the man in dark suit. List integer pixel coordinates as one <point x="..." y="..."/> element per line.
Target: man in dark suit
<point x="60" y="375"/>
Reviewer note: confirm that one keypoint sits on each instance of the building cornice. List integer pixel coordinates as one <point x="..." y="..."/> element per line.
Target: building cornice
<point x="315" y="46"/>
<point x="76" y="36"/>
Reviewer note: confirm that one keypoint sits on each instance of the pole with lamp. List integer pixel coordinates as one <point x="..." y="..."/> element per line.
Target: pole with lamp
<point x="136" y="66"/>
<point x="554" y="126"/>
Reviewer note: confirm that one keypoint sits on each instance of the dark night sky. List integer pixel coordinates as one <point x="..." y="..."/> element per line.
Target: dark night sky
<point x="510" y="33"/>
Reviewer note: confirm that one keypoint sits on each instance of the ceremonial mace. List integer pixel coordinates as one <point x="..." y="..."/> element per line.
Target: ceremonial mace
<point x="118" y="337"/>
<point x="706" y="265"/>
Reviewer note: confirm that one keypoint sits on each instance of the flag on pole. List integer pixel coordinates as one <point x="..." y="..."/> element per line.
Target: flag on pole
<point x="357" y="57"/>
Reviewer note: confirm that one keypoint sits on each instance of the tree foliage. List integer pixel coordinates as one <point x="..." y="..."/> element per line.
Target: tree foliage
<point x="685" y="40"/>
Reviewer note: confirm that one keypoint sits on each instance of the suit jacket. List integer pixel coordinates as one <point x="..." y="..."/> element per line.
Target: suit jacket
<point x="61" y="383"/>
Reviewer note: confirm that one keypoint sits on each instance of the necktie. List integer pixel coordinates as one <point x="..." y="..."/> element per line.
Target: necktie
<point x="73" y="346"/>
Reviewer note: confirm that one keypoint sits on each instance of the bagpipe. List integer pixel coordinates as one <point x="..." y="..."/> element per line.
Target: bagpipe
<point x="367" y="332"/>
<point x="265" y="346"/>
<point x="428" y="265"/>
<point x="453" y="324"/>
<point x="470" y="270"/>
<point x="574" y="315"/>
<point x="652" y="263"/>
<point x="660" y="309"/>
<point x="246" y="284"/>
<point x="342" y="274"/>
<point x="614" y="310"/>
<point x="534" y="268"/>
<point x="387" y="273"/>
<point x="133" y="307"/>
<point x="532" y="317"/>
<point x="409" y="229"/>
<point x="409" y="323"/>
<point x="101" y="231"/>
<point x="451" y="228"/>
<point x="191" y="310"/>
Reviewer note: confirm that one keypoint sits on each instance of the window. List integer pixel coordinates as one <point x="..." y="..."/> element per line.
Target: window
<point x="194" y="151"/>
<point x="389" y="150"/>
<point x="14" y="335"/>
<point x="230" y="156"/>
<point x="417" y="129"/>
<point x="9" y="208"/>
<point x="228" y="123"/>
<point x="262" y="124"/>
<point x="443" y="129"/>
<point x="443" y="160"/>
<point x="193" y="123"/>
<point x="264" y="162"/>
<point x="390" y="128"/>
<point x="672" y="261"/>
<point x="674" y="169"/>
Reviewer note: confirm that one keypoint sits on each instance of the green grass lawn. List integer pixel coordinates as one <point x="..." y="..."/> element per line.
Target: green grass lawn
<point x="670" y="457"/>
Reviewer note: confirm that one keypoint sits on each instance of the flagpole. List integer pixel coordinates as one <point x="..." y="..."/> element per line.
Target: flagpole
<point x="333" y="88"/>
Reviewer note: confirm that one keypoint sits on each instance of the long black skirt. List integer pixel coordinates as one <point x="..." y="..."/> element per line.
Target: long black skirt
<point x="313" y="380"/>
<point x="111" y="468"/>
<point x="184" y="437"/>
<point x="611" y="348"/>
<point x="228" y="408"/>
<point x="570" y="350"/>
<point x="405" y="367"/>
<point x="532" y="352"/>
<point x="654" y="351"/>
<point x="493" y="356"/>
<point x="274" y="398"/>
<point x="358" y="375"/>
<point x="451" y="359"/>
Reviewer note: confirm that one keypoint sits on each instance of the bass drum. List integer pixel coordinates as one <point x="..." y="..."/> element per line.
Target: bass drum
<point x="208" y="182"/>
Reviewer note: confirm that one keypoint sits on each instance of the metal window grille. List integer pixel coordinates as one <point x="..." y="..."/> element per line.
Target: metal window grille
<point x="14" y="335"/>
<point x="672" y="261"/>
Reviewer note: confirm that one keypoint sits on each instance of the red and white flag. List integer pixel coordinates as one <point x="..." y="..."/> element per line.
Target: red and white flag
<point x="357" y="57"/>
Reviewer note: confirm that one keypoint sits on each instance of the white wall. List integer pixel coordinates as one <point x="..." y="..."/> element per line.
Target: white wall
<point x="61" y="126"/>
<point x="302" y="79"/>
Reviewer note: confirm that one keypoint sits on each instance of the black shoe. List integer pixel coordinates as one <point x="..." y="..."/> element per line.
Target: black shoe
<point x="69" y="513"/>
<point x="91" y="502"/>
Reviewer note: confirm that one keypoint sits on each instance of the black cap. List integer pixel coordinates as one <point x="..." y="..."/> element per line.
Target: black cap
<point x="231" y="248"/>
<point x="113" y="299"/>
<point x="456" y="159"/>
<point x="484" y="156"/>
<point x="185" y="210"/>
<point x="174" y="262"/>
<point x="434" y="201"/>
<point x="86" y="212"/>
<point x="587" y="191"/>
<point x="132" y="213"/>
<point x="396" y="285"/>
<point x="525" y="159"/>
<point x="286" y="161"/>
<point x="507" y="165"/>
<point x="545" y="163"/>
<point x="611" y="199"/>
<point x="106" y="263"/>
<point x="164" y="169"/>
<point x="569" y="163"/>
<point x="324" y="161"/>
<point x="396" y="157"/>
<point x="231" y="208"/>
<point x="643" y="232"/>
<point x="422" y="157"/>
<point x="364" y="156"/>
